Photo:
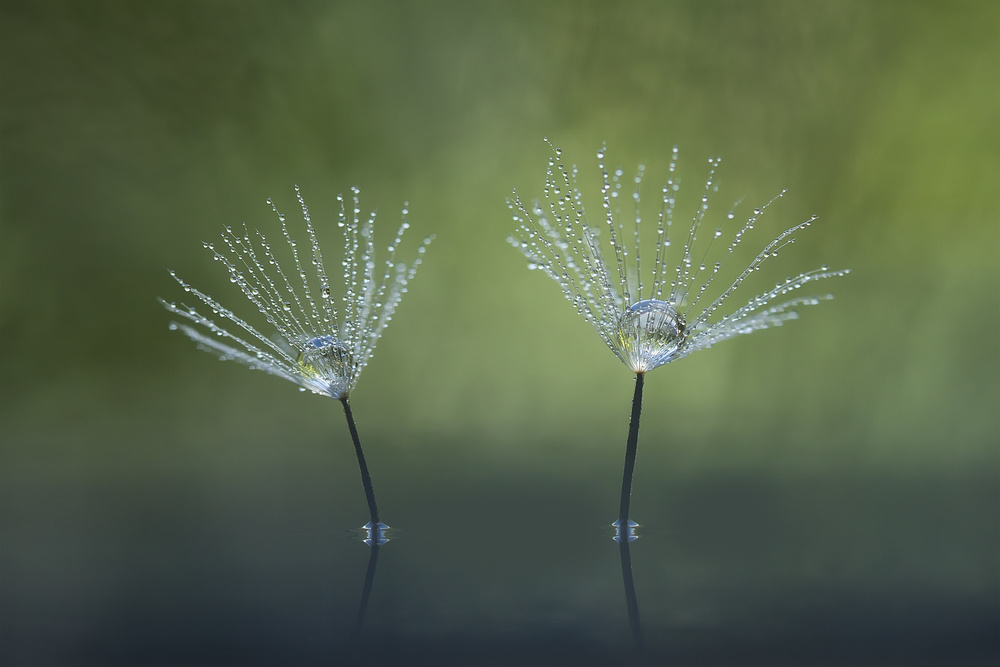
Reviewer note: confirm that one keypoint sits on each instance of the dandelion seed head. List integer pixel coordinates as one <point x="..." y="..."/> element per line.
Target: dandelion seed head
<point x="647" y="312"/>
<point x="322" y="342"/>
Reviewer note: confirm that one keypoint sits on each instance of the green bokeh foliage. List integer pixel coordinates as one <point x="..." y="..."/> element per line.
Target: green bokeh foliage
<point x="132" y="131"/>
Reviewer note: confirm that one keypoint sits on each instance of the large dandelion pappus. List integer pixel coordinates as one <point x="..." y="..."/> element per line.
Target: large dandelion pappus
<point x="647" y="317"/>
<point x="321" y="344"/>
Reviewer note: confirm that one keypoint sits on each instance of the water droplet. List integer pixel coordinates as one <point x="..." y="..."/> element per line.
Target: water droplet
<point x="326" y="357"/>
<point x="651" y="331"/>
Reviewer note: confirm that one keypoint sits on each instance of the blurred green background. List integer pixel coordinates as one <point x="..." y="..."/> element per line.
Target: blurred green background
<point x="130" y="132"/>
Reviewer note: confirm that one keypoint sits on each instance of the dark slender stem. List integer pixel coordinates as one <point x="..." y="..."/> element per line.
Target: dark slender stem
<point x="365" y="477"/>
<point x="630" y="601"/>
<point x="630" y="447"/>
<point x="369" y="581"/>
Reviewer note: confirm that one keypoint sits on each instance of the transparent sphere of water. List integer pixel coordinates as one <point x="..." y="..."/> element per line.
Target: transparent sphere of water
<point x="326" y="357"/>
<point x="652" y="331"/>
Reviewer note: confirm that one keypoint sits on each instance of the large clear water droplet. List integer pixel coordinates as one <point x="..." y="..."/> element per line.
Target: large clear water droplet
<point x="651" y="331"/>
<point x="326" y="357"/>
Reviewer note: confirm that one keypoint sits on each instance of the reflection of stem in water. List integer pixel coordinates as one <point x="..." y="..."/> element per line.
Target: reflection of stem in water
<point x="369" y="581"/>
<point x="365" y="477"/>
<point x="630" y="448"/>
<point x="630" y="601"/>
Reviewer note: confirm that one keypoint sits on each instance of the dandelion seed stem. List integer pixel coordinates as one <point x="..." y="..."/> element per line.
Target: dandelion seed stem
<point x="366" y="479"/>
<point x="630" y="447"/>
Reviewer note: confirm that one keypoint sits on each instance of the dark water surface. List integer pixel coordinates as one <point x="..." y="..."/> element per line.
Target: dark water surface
<point x="263" y="568"/>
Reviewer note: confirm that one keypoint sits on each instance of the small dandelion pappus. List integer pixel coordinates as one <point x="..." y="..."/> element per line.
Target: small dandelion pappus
<point x="647" y="315"/>
<point x="321" y="345"/>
